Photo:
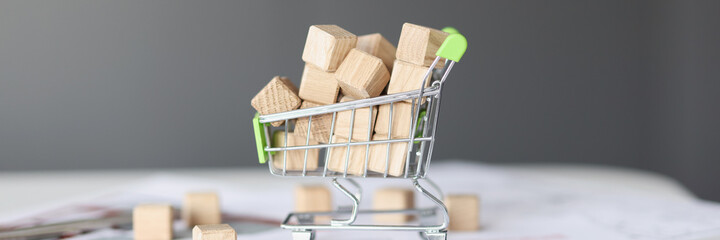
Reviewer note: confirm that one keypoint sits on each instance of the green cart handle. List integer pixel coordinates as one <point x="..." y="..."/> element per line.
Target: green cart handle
<point x="454" y="45"/>
<point x="260" y="142"/>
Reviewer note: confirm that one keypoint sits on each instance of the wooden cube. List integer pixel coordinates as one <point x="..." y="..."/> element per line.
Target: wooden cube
<point x="418" y="44"/>
<point x="393" y="199"/>
<point x="362" y="75"/>
<point x="280" y="95"/>
<point x="214" y="232"/>
<point x="364" y="118"/>
<point x="395" y="160"/>
<point x="407" y="77"/>
<point x="338" y="155"/>
<point x="327" y="45"/>
<point x="153" y="222"/>
<point x="378" y="46"/>
<point x="201" y="208"/>
<point x="319" y="128"/>
<point x="401" y="119"/>
<point x="312" y="198"/>
<point x="464" y="210"/>
<point x="318" y="86"/>
<point x="295" y="158"/>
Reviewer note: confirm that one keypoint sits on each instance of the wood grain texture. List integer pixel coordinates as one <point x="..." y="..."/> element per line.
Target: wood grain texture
<point x="395" y="160"/>
<point x="378" y="46"/>
<point x="393" y="199"/>
<point x="319" y="128"/>
<point x="407" y="77"/>
<point x="359" y="125"/>
<point x="201" y="208"/>
<point x="279" y="95"/>
<point x="318" y="86"/>
<point x="356" y="160"/>
<point x="418" y="44"/>
<point x="327" y="45"/>
<point x="214" y="232"/>
<point x="362" y="75"/>
<point x="295" y="158"/>
<point x="464" y="210"/>
<point x="153" y="222"/>
<point x="401" y="119"/>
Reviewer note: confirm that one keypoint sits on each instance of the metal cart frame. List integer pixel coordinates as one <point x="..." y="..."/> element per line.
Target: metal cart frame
<point x="425" y="103"/>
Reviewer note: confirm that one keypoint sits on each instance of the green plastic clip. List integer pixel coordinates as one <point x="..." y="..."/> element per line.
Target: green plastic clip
<point x="418" y="127"/>
<point x="260" y="142"/>
<point x="450" y="30"/>
<point x="454" y="45"/>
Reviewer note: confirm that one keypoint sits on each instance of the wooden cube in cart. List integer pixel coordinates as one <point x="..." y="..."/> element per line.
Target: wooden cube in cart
<point x="319" y="127"/>
<point x="279" y="95"/>
<point x="381" y="159"/>
<point x="318" y="86"/>
<point x="418" y="44"/>
<point x="153" y="222"/>
<point x="214" y="232"/>
<point x="464" y="210"/>
<point x="355" y="160"/>
<point x="295" y="158"/>
<point x="402" y="116"/>
<point x="362" y="75"/>
<point x="363" y="123"/>
<point x="378" y="46"/>
<point x="393" y="199"/>
<point x="327" y="45"/>
<point x="407" y="77"/>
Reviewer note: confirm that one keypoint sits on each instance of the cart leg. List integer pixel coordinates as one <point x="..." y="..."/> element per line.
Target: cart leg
<point x="435" y="235"/>
<point x="303" y="235"/>
<point x="355" y="197"/>
<point x="441" y="206"/>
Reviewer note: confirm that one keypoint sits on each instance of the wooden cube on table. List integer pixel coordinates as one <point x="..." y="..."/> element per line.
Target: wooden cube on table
<point x="318" y="86"/>
<point x="280" y="95"/>
<point x="201" y="208"/>
<point x="153" y="222"/>
<point x="378" y="46"/>
<point x="402" y="116"/>
<point x="407" y="77"/>
<point x="214" y="232"/>
<point x="380" y="160"/>
<point x="393" y="199"/>
<point x="327" y="45"/>
<point x="362" y="75"/>
<point x="295" y="158"/>
<point x="464" y="210"/>
<point x="313" y="198"/>
<point x="319" y="127"/>
<point x="418" y="44"/>
<point x="363" y="122"/>
<point x="339" y="155"/>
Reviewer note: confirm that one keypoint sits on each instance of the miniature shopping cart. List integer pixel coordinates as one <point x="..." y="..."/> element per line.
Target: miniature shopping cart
<point x="430" y="222"/>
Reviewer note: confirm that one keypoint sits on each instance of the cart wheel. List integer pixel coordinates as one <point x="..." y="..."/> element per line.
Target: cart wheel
<point x="434" y="235"/>
<point x="303" y="235"/>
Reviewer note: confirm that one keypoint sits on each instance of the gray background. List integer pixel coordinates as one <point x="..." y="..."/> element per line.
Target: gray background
<point x="151" y="84"/>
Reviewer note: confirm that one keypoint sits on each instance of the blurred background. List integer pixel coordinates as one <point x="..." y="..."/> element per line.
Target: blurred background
<point x="167" y="84"/>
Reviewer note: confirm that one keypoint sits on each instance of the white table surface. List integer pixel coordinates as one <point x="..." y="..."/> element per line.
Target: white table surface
<point x="22" y="191"/>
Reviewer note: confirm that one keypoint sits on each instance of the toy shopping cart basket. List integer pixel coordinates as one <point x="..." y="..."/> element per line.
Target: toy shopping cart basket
<point x="333" y="159"/>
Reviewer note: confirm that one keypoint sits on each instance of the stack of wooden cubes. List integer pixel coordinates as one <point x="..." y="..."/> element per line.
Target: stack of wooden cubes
<point x="341" y="67"/>
<point x="415" y="53"/>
